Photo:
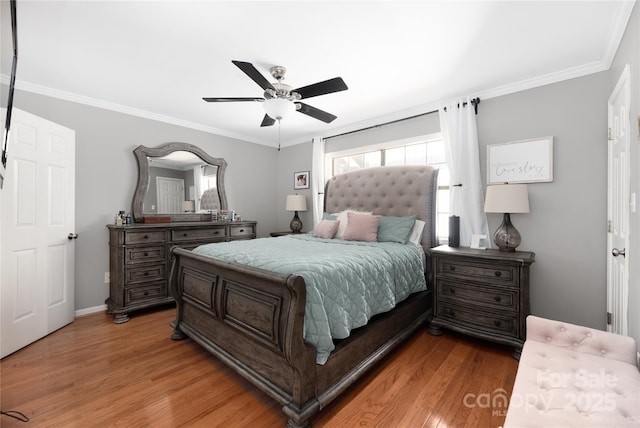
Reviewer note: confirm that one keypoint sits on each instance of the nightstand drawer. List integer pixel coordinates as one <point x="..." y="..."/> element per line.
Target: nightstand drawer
<point x="194" y="234"/>
<point x="144" y="254"/>
<point x="146" y="273"/>
<point x="471" y="318"/>
<point x="144" y="237"/>
<point x="147" y="292"/>
<point x="499" y="298"/>
<point x="478" y="272"/>
<point x="238" y="231"/>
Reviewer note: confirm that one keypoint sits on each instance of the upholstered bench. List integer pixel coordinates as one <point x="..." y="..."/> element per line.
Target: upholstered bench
<point x="570" y="375"/>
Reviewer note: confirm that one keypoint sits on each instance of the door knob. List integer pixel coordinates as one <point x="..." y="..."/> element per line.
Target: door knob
<point x="72" y="236"/>
<point x="615" y="252"/>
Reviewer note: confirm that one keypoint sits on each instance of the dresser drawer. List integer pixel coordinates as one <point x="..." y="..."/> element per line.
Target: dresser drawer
<point x="473" y="319"/>
<point x="144" y="237"/>
<point x="146" y="292"/>
<point x="146" y="273"/>
<point x="239" y="231"/>
<point x="195" y="234"/>
<point x="500" y="298"/>
<point x="478" y="272"/>
<point x="135" y="255"/>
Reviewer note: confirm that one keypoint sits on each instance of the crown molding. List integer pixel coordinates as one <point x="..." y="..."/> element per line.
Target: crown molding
<point x="618" y="27"/>
<point x="94" y="102"/>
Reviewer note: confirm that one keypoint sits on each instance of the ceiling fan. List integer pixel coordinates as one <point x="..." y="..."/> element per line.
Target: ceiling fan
<point x="280" y="99"/>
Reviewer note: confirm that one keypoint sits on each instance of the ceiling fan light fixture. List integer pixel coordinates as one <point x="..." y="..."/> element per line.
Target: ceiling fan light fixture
<point x="278" y="108"/>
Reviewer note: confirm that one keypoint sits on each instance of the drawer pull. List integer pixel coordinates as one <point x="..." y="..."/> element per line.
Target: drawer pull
<point x="452" y="312"/>
<point x="497" y="323"/>
<point x="146" y="293"/>
<point x="241" y="230"/>
<point x="498" y="273"/>
<point x="146" y="254"/>
<point x="452" y="267"/>
<point x="146" y="236"/>
<point x="497" y="299"/>
<point x="146" y="274"/>
<point x="452" y="291"/>
<point x="184" y="234"/>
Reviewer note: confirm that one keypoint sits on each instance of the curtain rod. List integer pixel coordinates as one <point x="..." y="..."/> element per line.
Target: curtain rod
<point x="474" y="102"/>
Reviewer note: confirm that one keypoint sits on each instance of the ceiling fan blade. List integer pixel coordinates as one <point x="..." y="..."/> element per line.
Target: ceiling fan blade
<point x="229" y="100"/>
<point x="316" y="113"/>
<point x="267" y="121"/>
<point x="327" y="87"/>
<point x="254" y="74"/>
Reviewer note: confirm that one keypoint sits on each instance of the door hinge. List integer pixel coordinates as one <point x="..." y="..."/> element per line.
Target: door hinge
<point x="609" y="226"/>
<point x="609" y="134"/>
<point x="608" y="318"/>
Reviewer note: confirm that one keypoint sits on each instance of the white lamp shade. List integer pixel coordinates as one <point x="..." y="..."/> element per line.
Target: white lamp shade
<point x="507" y="198"/>
<point x="296" y="203"/>
<point x="278" y="108"/>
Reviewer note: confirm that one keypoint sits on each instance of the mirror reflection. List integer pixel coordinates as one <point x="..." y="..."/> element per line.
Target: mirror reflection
<point x="177" y="182"/>
<point x="181" y="182"/>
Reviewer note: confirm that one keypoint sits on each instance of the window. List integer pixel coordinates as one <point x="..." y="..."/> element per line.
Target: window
<point x="427" y="150"/>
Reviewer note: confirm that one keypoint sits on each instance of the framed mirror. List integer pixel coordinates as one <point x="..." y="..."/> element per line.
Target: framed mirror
<point x="178" y="181"/>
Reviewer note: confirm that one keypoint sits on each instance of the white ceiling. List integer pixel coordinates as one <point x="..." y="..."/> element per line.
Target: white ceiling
<point x="158" y="59"/>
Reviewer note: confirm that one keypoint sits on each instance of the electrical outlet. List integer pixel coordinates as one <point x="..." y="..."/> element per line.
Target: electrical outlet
<point x="107" y="277"/>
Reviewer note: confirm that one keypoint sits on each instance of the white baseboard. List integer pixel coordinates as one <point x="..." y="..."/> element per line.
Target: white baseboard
<point x="87" y="311"/>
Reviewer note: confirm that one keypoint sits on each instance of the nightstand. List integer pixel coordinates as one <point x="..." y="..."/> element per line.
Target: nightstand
<point x="288" y="232"/>
<point x="482" y="293"/>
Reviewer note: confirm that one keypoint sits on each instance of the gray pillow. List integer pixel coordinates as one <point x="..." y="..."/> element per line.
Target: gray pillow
<point x="327" y="216"/>
<point x="395" y="229"/>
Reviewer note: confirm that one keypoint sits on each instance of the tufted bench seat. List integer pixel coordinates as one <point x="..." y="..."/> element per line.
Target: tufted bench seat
<point x="570" y="375"/>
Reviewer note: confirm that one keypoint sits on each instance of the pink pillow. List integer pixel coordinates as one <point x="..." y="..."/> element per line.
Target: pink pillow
<point x="361" y="227"/>
<point x="326" y="229"/>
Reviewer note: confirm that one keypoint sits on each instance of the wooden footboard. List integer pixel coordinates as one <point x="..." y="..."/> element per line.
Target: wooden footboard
<point x="253" y="320"/>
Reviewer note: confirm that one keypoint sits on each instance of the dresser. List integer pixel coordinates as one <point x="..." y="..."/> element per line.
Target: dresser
<point x="482" y="293"/>
<point x="140" y="259"/>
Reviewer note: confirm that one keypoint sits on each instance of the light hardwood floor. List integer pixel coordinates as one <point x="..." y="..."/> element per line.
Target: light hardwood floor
<point x="94" y="373"/>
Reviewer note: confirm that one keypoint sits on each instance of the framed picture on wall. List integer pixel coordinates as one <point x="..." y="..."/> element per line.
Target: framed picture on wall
<point x="301" y="180"/>
<point x="526" y="161"/>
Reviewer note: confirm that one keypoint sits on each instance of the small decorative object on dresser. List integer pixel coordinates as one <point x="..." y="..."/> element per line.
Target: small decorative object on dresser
<point x="482" y="293"/>
<point x="140" y="259"/>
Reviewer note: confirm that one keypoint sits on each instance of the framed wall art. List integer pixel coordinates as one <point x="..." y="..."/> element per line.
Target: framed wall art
<point x="301" y="180"/>
<point x="525" y="161"/>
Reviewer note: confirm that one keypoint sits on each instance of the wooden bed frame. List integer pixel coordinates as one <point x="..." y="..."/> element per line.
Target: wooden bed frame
<point x="253" y="319"/>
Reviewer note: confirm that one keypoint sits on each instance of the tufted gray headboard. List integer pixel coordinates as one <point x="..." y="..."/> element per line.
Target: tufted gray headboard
<point x="388" y="190"/>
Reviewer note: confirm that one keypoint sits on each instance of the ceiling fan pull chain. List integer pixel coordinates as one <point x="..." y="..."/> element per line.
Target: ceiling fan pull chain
<point x="279" y="128"/>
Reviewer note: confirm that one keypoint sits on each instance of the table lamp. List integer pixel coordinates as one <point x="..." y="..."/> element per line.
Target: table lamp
<point x="296" y="203"/>
<point x="507" y="199"/>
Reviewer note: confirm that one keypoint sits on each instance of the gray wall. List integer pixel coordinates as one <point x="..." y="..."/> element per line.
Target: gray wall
<point x="566" y="225"/>
<point x="106" y="174"/>
<point x="629" y="53"/>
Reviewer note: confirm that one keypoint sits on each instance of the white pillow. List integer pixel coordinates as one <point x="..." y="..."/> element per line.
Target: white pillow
<point x="416" y="233"/>
<point x="344" y="219"/>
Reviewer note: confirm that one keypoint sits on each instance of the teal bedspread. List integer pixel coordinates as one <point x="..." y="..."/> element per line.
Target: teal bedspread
<point x="347" y="282"/>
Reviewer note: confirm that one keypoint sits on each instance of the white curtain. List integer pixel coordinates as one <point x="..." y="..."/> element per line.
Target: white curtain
<point x="317" y="179"/>
<point x="460" y="136"/>
<point x="197" y="183"/>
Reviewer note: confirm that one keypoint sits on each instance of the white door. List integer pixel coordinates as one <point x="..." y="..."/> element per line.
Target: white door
<point x="618" y="206"/>
<point x="37" y="218"/>
<point x="170" y="195"/>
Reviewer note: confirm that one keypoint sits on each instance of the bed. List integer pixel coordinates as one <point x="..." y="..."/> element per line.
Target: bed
<point x="253" y="319"/>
